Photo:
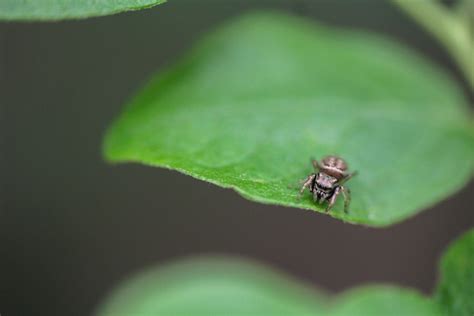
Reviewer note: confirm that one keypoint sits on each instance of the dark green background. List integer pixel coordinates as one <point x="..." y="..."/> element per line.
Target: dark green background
<point x="71" y="226"/>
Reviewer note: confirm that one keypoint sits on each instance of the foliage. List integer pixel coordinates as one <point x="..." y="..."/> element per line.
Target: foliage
<point x="48" y="10"/>
<point x="456" y="287"/>
<point x="211" y="286"/>
<point x="451" y="26"/>
<point x="218" y="286"/>
<point x="249" y="106"/>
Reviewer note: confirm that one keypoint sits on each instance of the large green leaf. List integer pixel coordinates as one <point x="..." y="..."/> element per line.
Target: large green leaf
<point x="249" y="106"/>
<point x="67" y="9"/>
<point x="456" y="288"/>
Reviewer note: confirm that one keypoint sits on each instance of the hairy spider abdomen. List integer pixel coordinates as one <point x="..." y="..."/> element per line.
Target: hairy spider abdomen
<point x="334" y="162"/>
<point x="334" y="166"/>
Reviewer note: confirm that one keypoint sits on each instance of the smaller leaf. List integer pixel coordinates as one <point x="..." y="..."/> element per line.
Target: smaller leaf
<point x="455" y="291"/>
<point x="212" y="286"/>
<point x="229" y="286"/>
<point x="218" y="286"/>
<point x="384" y="300"/>
<point x="26" y="10"/>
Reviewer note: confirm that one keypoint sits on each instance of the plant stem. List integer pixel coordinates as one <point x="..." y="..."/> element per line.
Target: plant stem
<point x="452" y="29"/>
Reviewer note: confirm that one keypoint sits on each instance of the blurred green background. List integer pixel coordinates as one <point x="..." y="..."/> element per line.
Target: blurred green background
<point x="72" y="226"/>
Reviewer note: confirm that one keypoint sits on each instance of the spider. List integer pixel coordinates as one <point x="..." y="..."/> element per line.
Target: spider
<point x="327" y="183"/>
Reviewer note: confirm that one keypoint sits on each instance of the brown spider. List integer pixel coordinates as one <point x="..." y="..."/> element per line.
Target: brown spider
<point x="327" y="183"/>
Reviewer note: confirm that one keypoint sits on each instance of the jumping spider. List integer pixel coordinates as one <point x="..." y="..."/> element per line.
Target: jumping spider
<point x="327" y="183"/>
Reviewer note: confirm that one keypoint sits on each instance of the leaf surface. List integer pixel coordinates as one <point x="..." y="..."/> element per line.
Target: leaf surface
<point x="212" y="286"/>
<point x="455" y="291"/>
<point x="249" y="106"/>
<point x="218" y="286"/>
<point x="26" y="10"/>
<point x="233" y="286"/>
<point x="376" y="300"/>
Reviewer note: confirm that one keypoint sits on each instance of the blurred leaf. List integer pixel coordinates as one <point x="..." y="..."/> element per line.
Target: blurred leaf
<point x="456" y="288"/>
<point x="230" y="286"/>
<point x="235" y="287"/>
<point x="249" y="106"/>
<point x="25" y="10"/>
<point x="453" y="28"/>
<point x="384" y="300"/>
<point x="465" y="11"/>
<point x="211" y="287"/>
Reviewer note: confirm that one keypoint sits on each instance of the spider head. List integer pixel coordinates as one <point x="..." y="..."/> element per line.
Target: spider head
<point x="325" y="181"/>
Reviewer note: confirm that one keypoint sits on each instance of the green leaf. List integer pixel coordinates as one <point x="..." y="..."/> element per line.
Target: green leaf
<point x="379" y="300"/>
<point x="236" y="287"/>
<point x="452" y="29"/>
<point x="455" y="291"/>
<point x="231" y="286"/>
<point x="249" y="106"/>
<point x="25" y="10"/>
<point x="211" y="286"/>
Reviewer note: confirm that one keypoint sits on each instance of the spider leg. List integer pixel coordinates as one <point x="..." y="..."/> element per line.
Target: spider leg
<point x="306" y="184"/>
<point x="315" y="164"/>
<point x="347" y="198"/>
<point x="347" y="177"/>
<point x="333" y="198"/>
<point x="297" y="185"/>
